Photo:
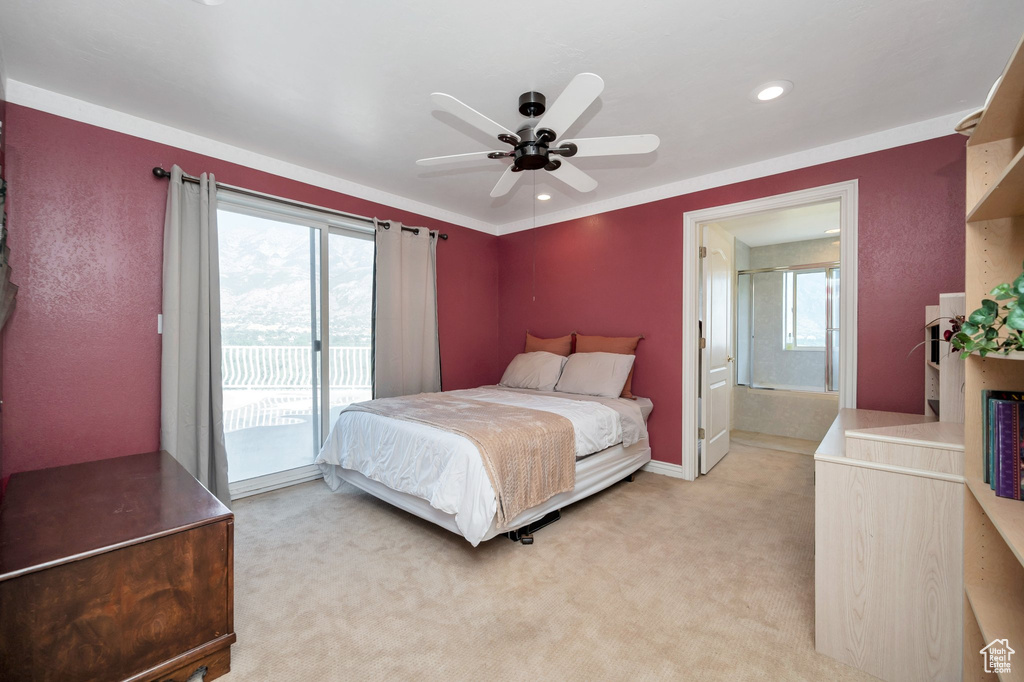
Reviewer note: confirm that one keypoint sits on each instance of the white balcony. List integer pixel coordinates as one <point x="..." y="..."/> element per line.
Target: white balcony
<point x="268" y="403"/>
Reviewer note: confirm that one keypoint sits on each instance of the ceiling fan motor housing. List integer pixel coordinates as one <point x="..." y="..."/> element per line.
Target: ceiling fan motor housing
<point x="531" y="153"/>
<point x="532" y="104"/>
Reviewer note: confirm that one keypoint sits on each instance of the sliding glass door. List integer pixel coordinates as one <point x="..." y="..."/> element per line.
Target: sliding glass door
<point x="350" y="314"/>
<point x="295" y="290"/>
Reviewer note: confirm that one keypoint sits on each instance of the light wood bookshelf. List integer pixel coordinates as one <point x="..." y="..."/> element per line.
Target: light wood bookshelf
<point x="993" y="527"/>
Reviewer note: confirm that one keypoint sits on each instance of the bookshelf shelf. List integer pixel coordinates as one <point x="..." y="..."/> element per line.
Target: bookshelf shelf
<point x="996" y="619"/>
<point x="994" y="248"/>
<point x="1004" y="198"/>
<point x="1012" y="356"/>
<point x="1007" y="516"/>
<point x="1004" y="117"/>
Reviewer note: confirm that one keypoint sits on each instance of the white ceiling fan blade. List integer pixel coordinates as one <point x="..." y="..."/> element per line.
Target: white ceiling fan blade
<point x="453" y="158"/>
<point x="505" y="183"/>
<point x="612" y="146"/>
<point x="574" y="177"/>
<point x="469" y="115"/>
<point x="574" y="100"/>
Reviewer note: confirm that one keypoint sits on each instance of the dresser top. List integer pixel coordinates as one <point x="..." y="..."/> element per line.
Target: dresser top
<point x="939" y="435"/>
<point x="53" y="516"/>
<point x="834" y="442"/>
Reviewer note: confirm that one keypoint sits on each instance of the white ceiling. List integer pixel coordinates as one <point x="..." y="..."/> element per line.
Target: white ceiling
<point x="785" y="225"/>
<point x="343" y="87"/>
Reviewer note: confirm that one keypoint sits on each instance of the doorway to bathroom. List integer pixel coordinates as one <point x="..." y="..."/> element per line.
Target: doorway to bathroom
<point x="775" y="309"/>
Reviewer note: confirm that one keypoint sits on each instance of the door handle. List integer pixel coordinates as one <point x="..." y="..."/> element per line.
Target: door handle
<point x="729" y="359"/>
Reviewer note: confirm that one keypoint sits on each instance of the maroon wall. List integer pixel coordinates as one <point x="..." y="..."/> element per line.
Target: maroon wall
<point x="81" y="362"/>
<point x="619" y="273"/>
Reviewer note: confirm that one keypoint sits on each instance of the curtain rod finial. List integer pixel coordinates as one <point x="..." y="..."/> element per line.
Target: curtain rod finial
<point x="161" y="173"/>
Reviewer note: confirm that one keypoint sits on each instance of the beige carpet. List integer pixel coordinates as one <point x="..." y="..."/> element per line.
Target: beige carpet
<point x="799" y="446"/>
<point x="657" y="579"/>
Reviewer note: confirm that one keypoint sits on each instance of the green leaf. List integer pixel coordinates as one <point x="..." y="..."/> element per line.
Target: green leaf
<point x="1015" y="320"/>
<point x="1003" y="292"/>
<point x="986" y="314"/>
<point x="1018" y="284"/>
<point x="968" y="329"/>
<point x="991" y="333"/>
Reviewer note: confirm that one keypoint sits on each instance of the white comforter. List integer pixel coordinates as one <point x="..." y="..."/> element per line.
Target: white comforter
<point x="445" y="469"/>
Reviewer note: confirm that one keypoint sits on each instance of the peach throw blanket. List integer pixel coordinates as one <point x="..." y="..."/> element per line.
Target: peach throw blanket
<point x="529" y="455"/>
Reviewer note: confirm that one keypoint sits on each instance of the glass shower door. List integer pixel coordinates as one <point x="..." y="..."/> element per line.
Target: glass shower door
<point x="787" y="328"/>
<point x="832" y="332"/>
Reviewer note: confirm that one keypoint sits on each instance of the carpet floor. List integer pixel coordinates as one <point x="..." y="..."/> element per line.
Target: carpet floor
<point x="653" y="580"/>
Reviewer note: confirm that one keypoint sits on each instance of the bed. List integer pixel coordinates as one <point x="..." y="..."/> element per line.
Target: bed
<point x="440" y="476"/>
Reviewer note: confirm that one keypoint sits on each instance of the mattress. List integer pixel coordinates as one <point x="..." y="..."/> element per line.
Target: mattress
<point x="445" y="470"/>
<point x="593" y="474"/>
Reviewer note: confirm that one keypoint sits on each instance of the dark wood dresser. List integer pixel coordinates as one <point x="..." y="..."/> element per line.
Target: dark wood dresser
<point x="120" y="569"/>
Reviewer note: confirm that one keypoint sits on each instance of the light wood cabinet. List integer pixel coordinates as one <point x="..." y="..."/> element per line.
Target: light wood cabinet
<point x="888" y="524"/>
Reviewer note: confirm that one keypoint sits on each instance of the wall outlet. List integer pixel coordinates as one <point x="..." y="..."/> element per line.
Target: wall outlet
<point x="159" y="324"/>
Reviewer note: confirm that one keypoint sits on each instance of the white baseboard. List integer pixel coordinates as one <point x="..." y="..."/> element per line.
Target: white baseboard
<point x="665" y="469"/>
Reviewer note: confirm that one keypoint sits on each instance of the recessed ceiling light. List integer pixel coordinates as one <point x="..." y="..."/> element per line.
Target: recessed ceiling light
<point x="834" y="230"/>
<point x="543" y="197"/>
<point x="771" y="90"/>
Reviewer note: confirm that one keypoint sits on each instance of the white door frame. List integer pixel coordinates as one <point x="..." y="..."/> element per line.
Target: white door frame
<point x="846" y="193"/>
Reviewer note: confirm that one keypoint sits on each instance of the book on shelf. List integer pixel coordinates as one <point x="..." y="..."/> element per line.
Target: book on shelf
<point x="1002" y="417"/>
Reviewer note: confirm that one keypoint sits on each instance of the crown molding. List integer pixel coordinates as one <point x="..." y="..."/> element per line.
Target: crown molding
<point x="55" y="103"/>
<point x="79" y="110"/>
<point x="939" y="126"/>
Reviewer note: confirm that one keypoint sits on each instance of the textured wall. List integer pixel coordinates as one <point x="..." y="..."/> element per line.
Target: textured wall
<point x="81" y="367"/>
<point x="620" y="273"/>
<point x="795" y="253"/>
<point x="81" y="360"/>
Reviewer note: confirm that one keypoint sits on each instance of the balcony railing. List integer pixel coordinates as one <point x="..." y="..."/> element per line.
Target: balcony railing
<point x="284" y="367"/>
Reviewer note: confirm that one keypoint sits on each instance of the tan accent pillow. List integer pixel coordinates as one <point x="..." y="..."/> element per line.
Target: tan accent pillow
<point x="539" y="370"/>
<point x="625" y="345"/>
<point x="601" y="374"/>
<point x="560" y="346"/>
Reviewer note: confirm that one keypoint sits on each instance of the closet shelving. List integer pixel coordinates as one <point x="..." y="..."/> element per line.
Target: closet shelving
<point x="993" y="526"/>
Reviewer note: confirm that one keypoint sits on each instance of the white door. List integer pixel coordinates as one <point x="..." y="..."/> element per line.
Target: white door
<point x="716" y="357"/>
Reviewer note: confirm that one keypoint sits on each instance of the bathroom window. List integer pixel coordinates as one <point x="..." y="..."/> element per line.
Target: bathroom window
<point x="806" y="293"/>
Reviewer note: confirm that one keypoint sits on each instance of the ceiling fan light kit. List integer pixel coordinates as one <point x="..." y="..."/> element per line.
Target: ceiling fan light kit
<point x="537" y="144"/>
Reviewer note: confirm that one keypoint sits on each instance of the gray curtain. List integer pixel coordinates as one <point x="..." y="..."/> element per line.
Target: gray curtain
<point x="191" y="400"/>
<point x="406" y="355"/>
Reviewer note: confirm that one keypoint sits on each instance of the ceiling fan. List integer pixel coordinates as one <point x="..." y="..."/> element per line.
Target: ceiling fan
<point x="538" y="143"/>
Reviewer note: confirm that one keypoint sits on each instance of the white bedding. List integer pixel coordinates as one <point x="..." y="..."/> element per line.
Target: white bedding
<point x="446" y="469"/>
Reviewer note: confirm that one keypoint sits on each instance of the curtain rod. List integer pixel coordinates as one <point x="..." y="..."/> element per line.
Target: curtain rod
<point x="161" y="173"/>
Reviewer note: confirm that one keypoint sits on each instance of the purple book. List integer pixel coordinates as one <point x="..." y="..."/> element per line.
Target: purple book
<point x="1007" y="462"/>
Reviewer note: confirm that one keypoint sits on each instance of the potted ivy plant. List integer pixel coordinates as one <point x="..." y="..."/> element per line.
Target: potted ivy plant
<point x="995" y="327"/>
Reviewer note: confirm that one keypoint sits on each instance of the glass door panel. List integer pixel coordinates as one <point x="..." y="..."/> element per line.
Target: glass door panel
<point x="270" y="321"/>
<point x="350" y="315"/>
<point x="833" y="331"/>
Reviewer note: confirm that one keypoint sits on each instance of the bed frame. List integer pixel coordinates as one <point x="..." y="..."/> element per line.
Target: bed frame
<point x="594" y="473"/>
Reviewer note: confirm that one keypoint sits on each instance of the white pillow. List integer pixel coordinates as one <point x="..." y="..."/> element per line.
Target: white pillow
<point x="601" y="374"/>
<point x="538" y="370"/>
